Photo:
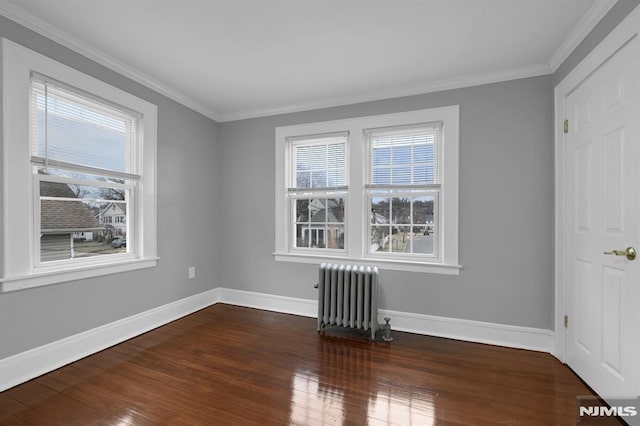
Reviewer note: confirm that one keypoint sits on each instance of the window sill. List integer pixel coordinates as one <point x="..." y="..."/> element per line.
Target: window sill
<point x="22" y="282"/>
<point x="388" y="264"/>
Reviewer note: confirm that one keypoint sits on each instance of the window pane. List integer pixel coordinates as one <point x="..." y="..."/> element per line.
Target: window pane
<point x="401" y="175"/>
<point x="302" y="235"/>
<point x="319" y="157"/>
<point x="420" y="175"/>
<point x="81" y="221"/>
<point x="303" y="180"/>
<point x="400" y="239"/>
<point x="379" y="239"/>
<point x="336" y="177"/>
<point x="401" y="210"/>
<point x="381" y="175"/>
<point x="423" y="210"/>
<point x="319" y="179"/>
<point x="422" y="240"/>
<point x="317" y="236"/>
<point x="70" y="127"/>
<point x="410" y="224"/>
<point x="335" y="237"/>
<point x="402" y="154"/>
<point x="320" y="223"/>
<point x="302" y="211"/>
<point x="380" y="210"/>
<point x="303" y="158"/>
<point x="421" y="153"/>
<point x="335" y="210"/>
<point x="381" y="156"/>
<point x="318" y="210"/>
<point x="335" y="155"/>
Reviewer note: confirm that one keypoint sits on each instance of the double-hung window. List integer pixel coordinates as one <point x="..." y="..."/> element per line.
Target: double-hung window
<point x="402" y="191"/>
<point x="79" y="174"/>
<point x="317" y="190"/>
<point x="379" y="190"/>
<point x="83" y="157"/>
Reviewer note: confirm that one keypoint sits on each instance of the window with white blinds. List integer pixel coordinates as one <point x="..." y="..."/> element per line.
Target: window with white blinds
<point x="317" y="191"/>
<point x="80" y="188"/>
<point x="378" y="190"/>
<point x="402" y="189"/>
<point x="83" y="152"/>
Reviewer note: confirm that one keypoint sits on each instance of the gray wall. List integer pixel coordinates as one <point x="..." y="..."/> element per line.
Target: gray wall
<point x="506" y="207"/>
<point x="216" y="210"/>
<point x="506" y="201"/>
<point x="188" y="187"/>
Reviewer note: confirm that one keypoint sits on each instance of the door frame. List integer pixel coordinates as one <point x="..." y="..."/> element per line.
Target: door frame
<point x="625" y="31"/>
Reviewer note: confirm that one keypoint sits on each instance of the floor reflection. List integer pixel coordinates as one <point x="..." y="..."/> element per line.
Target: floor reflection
<point x="389" y="407"/>
<point x="312" y="406"/>
<point x="344" y="384"/>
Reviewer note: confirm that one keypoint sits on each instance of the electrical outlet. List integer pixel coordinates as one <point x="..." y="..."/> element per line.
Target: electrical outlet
<point x="192" y="272"/>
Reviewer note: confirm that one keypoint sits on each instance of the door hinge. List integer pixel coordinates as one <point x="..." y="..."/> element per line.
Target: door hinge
<point x="566" y="321"/>
<point x="566" y="126"/>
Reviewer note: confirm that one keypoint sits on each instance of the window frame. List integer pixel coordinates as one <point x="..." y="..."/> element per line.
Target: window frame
<point x="357" y="215"/>
<point x="21" y="268"/>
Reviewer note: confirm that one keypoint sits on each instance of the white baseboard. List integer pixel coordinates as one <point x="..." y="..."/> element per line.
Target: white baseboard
<point x="27" y="365"/>
<point x="431" y="325"/>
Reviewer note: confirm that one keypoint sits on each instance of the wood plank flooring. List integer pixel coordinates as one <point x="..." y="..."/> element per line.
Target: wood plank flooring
<point x="227" y="365"/>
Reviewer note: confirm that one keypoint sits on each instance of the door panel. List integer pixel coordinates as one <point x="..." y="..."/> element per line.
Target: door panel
<point x="603" y="201"/>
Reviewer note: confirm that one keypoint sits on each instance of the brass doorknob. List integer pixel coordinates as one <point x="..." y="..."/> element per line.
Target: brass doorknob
<point x="630" y="252"/>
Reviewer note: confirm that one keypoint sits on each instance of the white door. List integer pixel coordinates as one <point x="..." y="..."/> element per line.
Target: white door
<point x="602" y="199"/>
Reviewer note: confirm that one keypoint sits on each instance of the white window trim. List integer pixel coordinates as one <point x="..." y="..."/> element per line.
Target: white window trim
<point x="20" y="270"/>
<point x="356" y="212"/>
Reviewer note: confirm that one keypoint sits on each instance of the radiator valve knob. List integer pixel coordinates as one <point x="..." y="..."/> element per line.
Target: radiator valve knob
<point x="386" y="330"/>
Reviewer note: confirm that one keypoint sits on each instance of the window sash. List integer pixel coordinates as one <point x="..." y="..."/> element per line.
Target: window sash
<point x="408" y="138"/>
<point x="71" y="118"/>
<point x="411" y="224"/>
<point x="318" y="164"/>
<point x="326" y="223"/>
<point x="129" y="201"/>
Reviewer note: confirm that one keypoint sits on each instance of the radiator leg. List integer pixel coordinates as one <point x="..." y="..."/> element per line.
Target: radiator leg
<point x="386" y="330"/>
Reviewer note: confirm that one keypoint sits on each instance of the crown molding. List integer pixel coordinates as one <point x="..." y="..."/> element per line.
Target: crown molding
<point x="41" y="27"/>
<point x="580" y="31"/>
<point x="586" y="24"/>
<point x="438" y="86"/>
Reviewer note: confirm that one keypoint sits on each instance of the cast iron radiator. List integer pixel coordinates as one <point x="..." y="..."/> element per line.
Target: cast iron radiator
<point x="348" y="297"/>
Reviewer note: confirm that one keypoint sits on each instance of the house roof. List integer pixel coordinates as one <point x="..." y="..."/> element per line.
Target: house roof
<point x="58" y="216"/>
<point x="110" y="210"/>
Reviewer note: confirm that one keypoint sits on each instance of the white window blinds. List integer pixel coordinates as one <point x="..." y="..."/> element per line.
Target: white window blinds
<point x="404" y="157"/>
<point x="318" y="163"/>
<point x="76" y="131"/>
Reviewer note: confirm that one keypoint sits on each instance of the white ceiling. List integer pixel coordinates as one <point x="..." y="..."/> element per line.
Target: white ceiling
<point x="232" y="59"/>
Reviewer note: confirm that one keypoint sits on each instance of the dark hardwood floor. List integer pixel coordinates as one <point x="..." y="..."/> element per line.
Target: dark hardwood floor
<point x="227" y="365"/>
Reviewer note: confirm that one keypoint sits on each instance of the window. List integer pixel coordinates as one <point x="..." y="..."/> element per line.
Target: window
<point x="317" y="192"/>
<point x="379" y="190"/>
<point x="83" y="160"/>
<point x="82" y="165"/>
<point x="403" y="190"/>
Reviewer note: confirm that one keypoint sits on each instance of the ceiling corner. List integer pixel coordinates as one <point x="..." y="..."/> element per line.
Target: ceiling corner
<point x="588" y="22"/>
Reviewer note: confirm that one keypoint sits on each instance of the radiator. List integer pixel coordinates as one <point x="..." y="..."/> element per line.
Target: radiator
<point x="348" y="297"/>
